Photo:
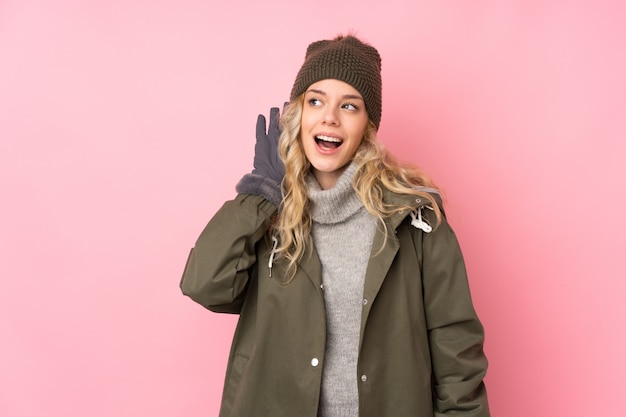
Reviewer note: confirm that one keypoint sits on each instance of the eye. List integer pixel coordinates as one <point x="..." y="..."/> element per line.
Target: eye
<point x="350" y="106"/>
<point x="314" y="102"/>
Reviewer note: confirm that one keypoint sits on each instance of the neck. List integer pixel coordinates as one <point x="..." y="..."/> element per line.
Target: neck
<point x="327" y="180"/>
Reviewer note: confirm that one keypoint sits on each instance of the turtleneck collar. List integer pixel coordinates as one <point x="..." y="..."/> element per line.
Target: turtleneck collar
<point x="336" y="204"/>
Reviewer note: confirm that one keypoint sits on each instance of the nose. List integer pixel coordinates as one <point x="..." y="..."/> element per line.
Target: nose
<point x="330" y="116"/>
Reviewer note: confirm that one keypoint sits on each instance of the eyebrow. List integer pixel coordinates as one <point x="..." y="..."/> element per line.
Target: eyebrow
<point x="345" y="96"/>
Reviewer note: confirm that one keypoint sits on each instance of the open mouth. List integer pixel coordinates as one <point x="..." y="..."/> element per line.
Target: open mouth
<point x="327" y="142"/>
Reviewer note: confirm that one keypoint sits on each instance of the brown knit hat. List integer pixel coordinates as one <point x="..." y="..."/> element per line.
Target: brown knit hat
<point x="347" y="59"/>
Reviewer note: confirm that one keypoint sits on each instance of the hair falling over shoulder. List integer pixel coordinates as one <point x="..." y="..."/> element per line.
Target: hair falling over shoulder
<point x="376" y="169"/>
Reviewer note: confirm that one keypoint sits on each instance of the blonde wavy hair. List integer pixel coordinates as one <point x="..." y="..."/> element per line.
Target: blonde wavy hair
<point x="376" y="169"/>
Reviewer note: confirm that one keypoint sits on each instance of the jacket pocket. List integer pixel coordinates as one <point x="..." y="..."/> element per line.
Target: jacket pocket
<point x="232" y="384"/>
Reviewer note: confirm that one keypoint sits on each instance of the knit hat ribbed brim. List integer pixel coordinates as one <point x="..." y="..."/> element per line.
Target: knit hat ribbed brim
<point x="347" y="59"/>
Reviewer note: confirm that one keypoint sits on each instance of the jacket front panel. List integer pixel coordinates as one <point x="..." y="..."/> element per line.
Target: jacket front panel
<point x="281" y="341"/>
<point x="417" y="321"/>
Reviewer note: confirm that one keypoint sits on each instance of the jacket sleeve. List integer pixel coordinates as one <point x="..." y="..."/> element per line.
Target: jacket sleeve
<point x="219" y="265"/>
<point x="455" y="333"/>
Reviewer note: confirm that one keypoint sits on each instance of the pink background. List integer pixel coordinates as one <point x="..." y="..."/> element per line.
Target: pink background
<point x="125" y="124"/>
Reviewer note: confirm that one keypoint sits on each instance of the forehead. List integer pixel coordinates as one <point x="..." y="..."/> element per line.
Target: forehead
<point x="331" y="86"/>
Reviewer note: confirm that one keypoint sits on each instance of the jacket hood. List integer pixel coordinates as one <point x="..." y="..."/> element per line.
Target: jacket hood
<point x="417" y="203"/>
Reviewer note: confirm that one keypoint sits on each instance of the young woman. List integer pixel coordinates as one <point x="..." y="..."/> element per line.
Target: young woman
<point x="350" y="284"/>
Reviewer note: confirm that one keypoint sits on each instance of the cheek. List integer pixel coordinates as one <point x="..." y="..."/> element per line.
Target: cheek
<point x="357" y="125"/>
<point x="356" y="144"/>
<point x="305" y="122"/>
<point x="358" y="132"/>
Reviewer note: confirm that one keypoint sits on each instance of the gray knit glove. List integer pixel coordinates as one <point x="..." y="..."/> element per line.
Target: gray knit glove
<point x="269" y="170"/>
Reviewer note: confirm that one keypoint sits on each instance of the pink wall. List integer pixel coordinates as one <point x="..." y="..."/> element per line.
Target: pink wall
<point x="124" y="125"/>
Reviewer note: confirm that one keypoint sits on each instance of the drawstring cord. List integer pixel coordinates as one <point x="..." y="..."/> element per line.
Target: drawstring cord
<point x="420" y="223"/>
<point x="271" y="262"/>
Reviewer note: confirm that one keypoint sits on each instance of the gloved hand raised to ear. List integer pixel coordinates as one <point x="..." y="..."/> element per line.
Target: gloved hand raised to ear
<point x="268" y="172"/>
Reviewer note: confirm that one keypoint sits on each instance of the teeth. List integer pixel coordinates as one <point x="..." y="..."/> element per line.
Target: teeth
<point x="328" y="139"/>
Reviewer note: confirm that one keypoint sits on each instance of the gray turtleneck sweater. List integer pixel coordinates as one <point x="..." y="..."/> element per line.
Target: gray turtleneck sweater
<point x="343" y="232"/>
